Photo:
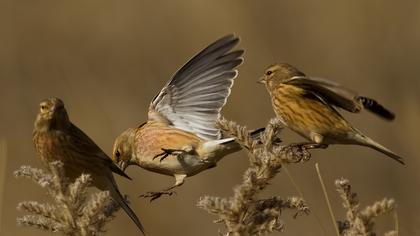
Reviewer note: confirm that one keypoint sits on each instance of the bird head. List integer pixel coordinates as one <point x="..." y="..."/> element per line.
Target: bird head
<point x="277" y="74"/>
<point x="122" y="153"/>
<point x="51" y="114"/>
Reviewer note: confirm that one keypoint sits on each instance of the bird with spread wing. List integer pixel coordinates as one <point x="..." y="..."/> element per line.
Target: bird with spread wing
<point x="181" y="138"/>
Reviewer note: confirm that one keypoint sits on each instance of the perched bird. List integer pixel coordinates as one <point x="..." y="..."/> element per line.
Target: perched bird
<point x="180" y="138"/>
<point x="57" y="139"/>
<point x="307" y="106"/>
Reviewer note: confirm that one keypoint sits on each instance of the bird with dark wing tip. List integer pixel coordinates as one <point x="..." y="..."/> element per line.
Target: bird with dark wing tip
<point x="180" y="137"/>
<point x="56" y="138"/>
<point x="307" y="106"/>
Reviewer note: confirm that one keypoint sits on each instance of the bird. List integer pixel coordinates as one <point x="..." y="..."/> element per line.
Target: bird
<point x="308" y="106"/>
<point x="180" y="137"/>
<point x="56" y="138"/>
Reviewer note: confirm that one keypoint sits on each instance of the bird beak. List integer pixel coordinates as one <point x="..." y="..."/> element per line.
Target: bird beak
<point x="123" y="165"/>
<point x="261" y="80"/>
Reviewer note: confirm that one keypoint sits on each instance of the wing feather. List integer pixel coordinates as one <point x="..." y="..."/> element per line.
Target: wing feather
<point x="193" y="98"/>
<point x="329" y="91"/>
<point x="335" y="94"/>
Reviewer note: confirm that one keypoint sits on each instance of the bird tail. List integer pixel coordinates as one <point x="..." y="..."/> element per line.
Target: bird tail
<point x="233" y="146"/>
<point x="368" y="142"/>
<point x="118" y="197"/>
<point x="256" y="133"/>
<point x="227" y="146"/>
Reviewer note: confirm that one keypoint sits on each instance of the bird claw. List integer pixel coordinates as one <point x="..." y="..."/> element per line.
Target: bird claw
<point x="155" y="195"/>
<point x="300" y="152"/>
<point x="166" y="152"/>
<point x="205" y="161"/>
<point x="301" y="149"/>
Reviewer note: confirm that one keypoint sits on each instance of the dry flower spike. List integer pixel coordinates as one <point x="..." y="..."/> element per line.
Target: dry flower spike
<point x="73" y="211"/>
<point x="361" y="222"/>
<point x="244" y="213"/>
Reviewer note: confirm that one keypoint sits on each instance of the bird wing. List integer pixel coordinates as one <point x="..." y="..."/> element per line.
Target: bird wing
<point x="193" y="98"/>
<point x="86" y="147"/>
<point x="329" y="91"/>
<point x="335" y="94"/>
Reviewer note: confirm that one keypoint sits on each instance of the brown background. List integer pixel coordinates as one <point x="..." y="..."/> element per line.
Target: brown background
<point x="107" y="59"/>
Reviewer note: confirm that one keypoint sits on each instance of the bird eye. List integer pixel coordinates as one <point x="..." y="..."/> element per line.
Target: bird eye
<point x="118" y="154"/>
<point x="43" y="107"/>
<point x="269" y="72"/>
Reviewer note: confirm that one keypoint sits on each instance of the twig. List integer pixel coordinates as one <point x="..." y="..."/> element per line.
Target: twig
<point x="324" y="190"/>
<point x="298" y="189"/>
<point x="3" y="163"/>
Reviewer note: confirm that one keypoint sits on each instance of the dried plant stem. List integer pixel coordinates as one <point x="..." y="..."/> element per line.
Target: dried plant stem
<point x="244" y="213"/>
<point x="397" y="227"/>
<point x="3" y="163"/>
<point x="292" y="180"/>
<point x="361" y="222"/>
<point x="300" y="192"/>
<point x="327" y="200"/>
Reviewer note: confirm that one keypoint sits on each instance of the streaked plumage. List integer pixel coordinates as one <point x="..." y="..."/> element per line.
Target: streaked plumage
<point x="56" y="138"/>
<point x="180" y="138"/>
<point x="307" y="106"/>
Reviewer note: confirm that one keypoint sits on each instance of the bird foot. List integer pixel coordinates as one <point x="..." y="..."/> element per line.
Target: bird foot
<point x="206" y="161"/>
<point x="300" y="150"/>
<point x="155" y="195"/>
<point x="166" y="152"/>
<point x="298" y="154"/>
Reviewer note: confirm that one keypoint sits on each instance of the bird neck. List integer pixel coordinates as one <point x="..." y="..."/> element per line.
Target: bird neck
<point x="55" y="123"/>
<point x="129" y="138"/>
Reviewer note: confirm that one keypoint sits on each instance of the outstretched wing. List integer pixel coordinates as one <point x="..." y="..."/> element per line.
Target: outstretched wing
<point x="193" y="98"/>
<point x="336" y="95"/>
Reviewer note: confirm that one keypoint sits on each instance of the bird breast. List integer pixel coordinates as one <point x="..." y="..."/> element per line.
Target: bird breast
<point x="304" y="112"/>
<point x="153" y="137"/>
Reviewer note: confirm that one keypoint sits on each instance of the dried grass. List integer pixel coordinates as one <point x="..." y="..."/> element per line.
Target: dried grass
<point x="244" y="213"/>
<point x="73" y="211"/>
<point x="361" y="222"/>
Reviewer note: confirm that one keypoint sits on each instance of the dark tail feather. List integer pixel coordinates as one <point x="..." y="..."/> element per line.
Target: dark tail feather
<point x="376" y="108"/>
<point x="256" y="133"/>
<point x="232" y="146"/>
<point x="117" y="196"/>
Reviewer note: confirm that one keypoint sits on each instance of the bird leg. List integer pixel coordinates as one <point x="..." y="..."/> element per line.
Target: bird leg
<point x="309" y="145"/>
<point x="166" y="152"/>
<point x="155" y="195"/>
<point x="179" y="180"/>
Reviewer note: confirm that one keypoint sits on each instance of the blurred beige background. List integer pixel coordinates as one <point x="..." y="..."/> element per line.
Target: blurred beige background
<point x="107" y="59"/>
